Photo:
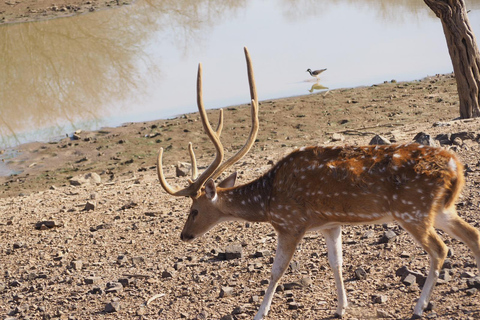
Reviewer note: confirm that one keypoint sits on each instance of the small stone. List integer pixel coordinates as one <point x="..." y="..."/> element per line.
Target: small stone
<point x="138" y="260"/>
<point x="293" y="306"/>
<point x="254" y="299"/>
<point x="262" y="253"/>
<point x="17" y="245"/>
<point x="467" y="275"/>
<point x="92" y="280"/>
<point x="387" y="237"/>
<point x="471" y="291"/>
<point x="473" y="283"/>
<point x="294" y="266"/>
<point x="445" y="275"/>
<point x="89" y="206"/>
<point x="306" y="281"/>
<point x="409" y="280"/>
<point x="239" y="310"/>
<point x="338" y="137"/>
<point x="379" y="298"/>
<point x="114" y="287"/>
<point x="226" y="292"/>
<point x="125" y="281"/>
<point x="377" y="139"/>
<point x="113" y="306"/>
<point x="425" y="139"/>
<point x="233" y="251"/>
<point x="360" y="274"/>
<point x="168" y="274"/>
<point x="447" y="264"/>
<point x="384" y="314"/>
<point x="76" y="265"/>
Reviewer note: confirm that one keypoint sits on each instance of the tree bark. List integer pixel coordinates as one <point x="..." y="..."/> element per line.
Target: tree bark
<point x="463" y="51"/>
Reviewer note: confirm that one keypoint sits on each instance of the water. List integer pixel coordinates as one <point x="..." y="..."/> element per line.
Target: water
<point x="139" y="62"/>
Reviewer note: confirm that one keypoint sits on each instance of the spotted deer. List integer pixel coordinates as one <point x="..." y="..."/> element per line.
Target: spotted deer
<point x="323" y="188"/>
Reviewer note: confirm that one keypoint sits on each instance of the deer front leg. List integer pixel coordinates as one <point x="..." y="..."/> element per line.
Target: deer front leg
<point x="333" y="237"/>
<point x="286" y="246"/>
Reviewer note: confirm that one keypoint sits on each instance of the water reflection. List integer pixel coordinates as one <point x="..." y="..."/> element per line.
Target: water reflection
<point x="317" y="86"/>
<point x="59" y="74"/>
<point x="63" y="74"/>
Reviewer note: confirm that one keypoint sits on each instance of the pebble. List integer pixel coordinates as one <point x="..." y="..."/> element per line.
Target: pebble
<point x="226" y="292"/>
<point x="387" y="237"/>
<point x="360" y="274"/>
<point x="113" y="306"/>
<point x="233" y="251"/>
<point x="92" y="280"/>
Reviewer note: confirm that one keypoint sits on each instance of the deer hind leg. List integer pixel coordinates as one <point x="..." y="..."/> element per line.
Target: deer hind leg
<point x="333" y="236"/>
<point x="456" y="227"/>
<point x="286" y="246"/>
<point x="428" y="238"/>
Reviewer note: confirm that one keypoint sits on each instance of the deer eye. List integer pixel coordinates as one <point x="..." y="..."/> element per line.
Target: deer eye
<point x="194" y="213"/>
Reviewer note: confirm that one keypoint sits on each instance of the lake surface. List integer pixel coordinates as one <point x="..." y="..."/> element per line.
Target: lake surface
<point x="139" y="62"/>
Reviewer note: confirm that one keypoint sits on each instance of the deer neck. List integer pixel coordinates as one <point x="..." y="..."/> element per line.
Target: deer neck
<point x="246" y="202"/>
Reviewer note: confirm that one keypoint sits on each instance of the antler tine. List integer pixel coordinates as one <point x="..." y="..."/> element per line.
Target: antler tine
<point x="193" y="189"/>
<point x="198" y="183"/>
<point x="220" y="124"/>
<point x="173" y="191"/>
<point x="193" y="161"/>
<point x="255" y="125"/>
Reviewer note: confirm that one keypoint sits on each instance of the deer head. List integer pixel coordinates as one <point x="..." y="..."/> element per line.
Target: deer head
<point x="204" y="212"/>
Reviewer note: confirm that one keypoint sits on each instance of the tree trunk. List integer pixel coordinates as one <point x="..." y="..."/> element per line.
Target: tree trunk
<point x="463" y="52"/>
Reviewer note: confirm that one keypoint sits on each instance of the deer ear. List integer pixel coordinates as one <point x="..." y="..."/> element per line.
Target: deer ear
<point x="210" y="189"/>
<point x="229" y="181"/>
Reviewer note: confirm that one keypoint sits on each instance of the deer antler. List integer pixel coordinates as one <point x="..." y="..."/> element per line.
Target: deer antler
<point x="215" y="168"/>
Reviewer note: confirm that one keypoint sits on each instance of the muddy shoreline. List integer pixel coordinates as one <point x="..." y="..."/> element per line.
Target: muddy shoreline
<point x="18" y="11"/>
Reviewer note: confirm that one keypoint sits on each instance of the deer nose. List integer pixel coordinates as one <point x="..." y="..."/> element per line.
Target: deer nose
<point x="186" y="237"/>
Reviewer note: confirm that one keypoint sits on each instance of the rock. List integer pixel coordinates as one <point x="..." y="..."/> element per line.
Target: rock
<point x="239" y="310"/>
<point x="168" y="274"/>
<point x="254" y="299"/>
<point x="227" y="317"/>
<point x="48" y="224"/>
<point x="89" y="206"/>
<point x="182" y="169"/>
<point x="377" y="139"/>
<point x="445" y="275"/>
<point x="471" y="291"/>
<point x="113" y="306"/>
<point x="338" y="137"/>
<point x="114" y="287"/>
<point x="294" y="266"/>
<point x="262" y="253"/>
<point x="409" y="280"/>
<point x="425" y="139"/>
<point x="76" y="264"/>
<point x="384" y="314"/>
<point x="360" y="274"/>
<point x="388" y="236"/>
<point x="293" y="306"/>
<point x="447" y="264"/>
<point x="226" y="292"/>
<point x="369" y="234"/>
<point x="233" y="251"/>
<point x="473" y="283"/>
<point x="18" y="245"/>
<point x="87" y="179"/>
<point x="467" y="275"/>
<point x="92" y="280"/>
<point x="138" y="260"/>
<point x="125" y="281"/>
<point x="306" y="281"/>
<point x="379" y="298"/>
